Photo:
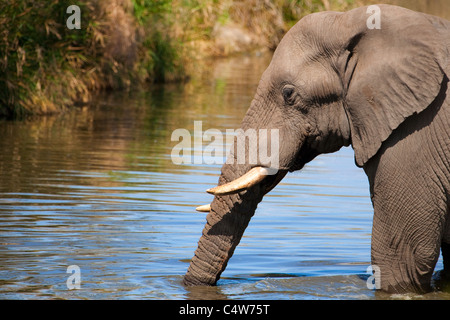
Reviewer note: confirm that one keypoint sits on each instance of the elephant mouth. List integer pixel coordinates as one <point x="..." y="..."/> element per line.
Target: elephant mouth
<point x="253" y="177"/>
<point x="270" y="177"/>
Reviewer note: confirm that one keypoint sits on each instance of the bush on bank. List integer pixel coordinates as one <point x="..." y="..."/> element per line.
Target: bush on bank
<point x="46" y="67"/>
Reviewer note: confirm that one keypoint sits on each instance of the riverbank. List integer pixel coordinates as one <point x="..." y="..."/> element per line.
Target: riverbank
<point x="124" y="44"/>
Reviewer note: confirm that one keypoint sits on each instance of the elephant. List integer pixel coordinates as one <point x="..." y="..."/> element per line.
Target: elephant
<point x="335" y="80"/>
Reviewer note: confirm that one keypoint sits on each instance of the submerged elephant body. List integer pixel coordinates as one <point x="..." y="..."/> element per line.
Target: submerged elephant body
<point x="335" y="82"/>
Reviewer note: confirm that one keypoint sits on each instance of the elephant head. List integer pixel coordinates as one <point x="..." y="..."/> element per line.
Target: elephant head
<point x="332" y="82"/>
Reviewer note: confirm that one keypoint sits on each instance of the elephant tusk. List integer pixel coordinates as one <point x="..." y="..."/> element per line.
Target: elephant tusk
<point x="251" y="178"/>
<point x="204" y="208"/>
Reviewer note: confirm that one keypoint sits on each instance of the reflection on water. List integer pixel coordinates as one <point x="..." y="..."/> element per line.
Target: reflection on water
<point x="97" y="188"/>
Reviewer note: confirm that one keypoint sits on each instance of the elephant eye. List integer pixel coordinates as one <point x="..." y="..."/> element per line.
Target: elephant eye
<point x="289" y="94"/>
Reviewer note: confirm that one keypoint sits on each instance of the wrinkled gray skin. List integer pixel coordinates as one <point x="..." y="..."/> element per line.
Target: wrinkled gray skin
<point x="333" y="82"/>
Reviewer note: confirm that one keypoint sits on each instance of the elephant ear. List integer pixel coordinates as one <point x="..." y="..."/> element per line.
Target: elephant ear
<point x="390" y="73"/>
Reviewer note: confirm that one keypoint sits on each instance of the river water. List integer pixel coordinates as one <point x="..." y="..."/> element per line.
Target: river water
<point x="96" y="188"/>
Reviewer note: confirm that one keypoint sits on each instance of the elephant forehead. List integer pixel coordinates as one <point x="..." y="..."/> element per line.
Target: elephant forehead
<point x="288" y="65"/>
<point x="301" y="63"/>
<point x="287" y="59"/>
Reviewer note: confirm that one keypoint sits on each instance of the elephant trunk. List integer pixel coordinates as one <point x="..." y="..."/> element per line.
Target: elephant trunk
<point x="225" y="224"/>
<point x="241" y="188"/>
<point x="221" y="234"/>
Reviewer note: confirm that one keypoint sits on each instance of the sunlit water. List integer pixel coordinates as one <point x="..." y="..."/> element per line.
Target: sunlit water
<point x="97" y="188"/>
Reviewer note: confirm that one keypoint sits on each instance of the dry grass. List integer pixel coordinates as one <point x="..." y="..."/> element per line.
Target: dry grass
<point x="45" y="67"/>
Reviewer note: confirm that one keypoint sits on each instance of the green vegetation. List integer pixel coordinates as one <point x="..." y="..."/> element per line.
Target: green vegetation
<point x="46" y="67"/>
